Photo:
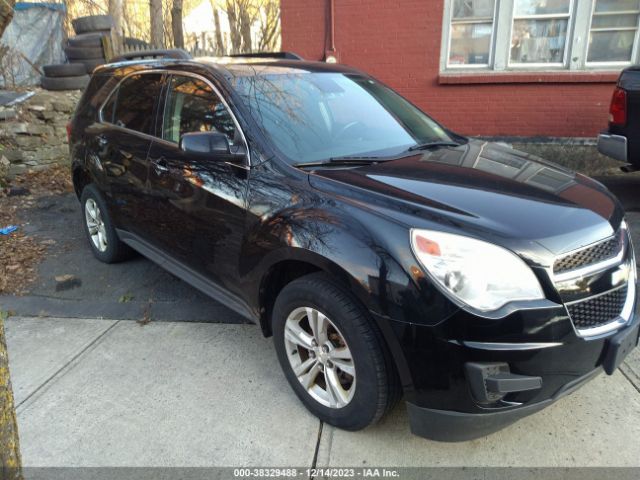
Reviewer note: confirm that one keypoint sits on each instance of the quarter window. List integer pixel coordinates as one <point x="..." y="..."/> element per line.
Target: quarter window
<point x="132" y="104"/>
<point x="193" y="106"/>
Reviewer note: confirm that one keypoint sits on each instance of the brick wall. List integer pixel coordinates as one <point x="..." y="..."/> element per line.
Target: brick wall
<point x="398" y="41"/>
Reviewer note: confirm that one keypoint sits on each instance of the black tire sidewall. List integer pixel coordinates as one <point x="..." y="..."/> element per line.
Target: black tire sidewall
<point x="92" y="39"/>
<point x="64" y="70"/>
<point x="65" y="83"/>
<point x="82" y="53"/>
<point x="111" y="254"/>
<point x="364" y="408"/>
<point x="92" y="23"/>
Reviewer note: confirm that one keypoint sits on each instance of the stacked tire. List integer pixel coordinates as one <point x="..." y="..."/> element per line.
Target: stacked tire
<point x="84" y="52"/>
<point x="87" y="46"/>
<point x="64" y="76"/>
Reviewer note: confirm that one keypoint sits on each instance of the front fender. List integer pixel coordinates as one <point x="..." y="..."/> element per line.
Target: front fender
<point x="334" y="242"/>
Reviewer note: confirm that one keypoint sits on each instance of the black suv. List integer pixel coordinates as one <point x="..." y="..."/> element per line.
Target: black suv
<point x="385" y="254"/>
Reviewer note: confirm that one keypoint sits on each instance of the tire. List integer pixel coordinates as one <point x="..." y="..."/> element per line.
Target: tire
<point x="65" y="83"/>
<point x="92" y="40"/>
<point x="92" y="23"/>
<point x="373" y="388"/>
<point x="112" y="250"/>
<point x="82" y="53"/>
<point x="64" y="70"/>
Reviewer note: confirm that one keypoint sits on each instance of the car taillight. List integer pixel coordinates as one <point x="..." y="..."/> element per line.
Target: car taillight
<point x="618" y="109"/>
<point x="68" y="132"/>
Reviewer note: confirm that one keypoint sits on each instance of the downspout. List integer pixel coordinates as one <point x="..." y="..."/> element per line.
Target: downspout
<point x="331" y="55"/>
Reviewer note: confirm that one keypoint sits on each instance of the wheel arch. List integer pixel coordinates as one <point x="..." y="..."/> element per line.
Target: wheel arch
<point x="298" y="263"/>
<point x="287" y="268"/>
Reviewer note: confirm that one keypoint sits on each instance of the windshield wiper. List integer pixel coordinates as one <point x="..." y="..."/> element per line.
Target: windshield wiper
<point x="426" y="146"/>
<point x="341" y="161"/>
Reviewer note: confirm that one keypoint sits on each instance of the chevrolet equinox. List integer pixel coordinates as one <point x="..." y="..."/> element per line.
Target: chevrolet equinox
<point x="388" y="256"/>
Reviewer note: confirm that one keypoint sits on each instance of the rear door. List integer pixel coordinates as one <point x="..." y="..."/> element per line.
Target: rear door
<point x="199" y="202"/>
<point x="122" y="141"/>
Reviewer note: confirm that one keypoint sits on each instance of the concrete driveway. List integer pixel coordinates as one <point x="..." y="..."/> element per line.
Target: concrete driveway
<point x="198" y="387"/>
<point x="116" y="393"/>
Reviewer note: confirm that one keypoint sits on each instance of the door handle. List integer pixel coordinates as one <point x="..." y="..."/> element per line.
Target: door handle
<point x="160" y="165"/>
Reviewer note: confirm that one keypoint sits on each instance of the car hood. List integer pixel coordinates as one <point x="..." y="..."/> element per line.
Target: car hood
<point x="486" y="190"/>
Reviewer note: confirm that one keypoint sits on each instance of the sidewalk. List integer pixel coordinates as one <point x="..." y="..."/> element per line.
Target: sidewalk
<point x="116" y="393"/>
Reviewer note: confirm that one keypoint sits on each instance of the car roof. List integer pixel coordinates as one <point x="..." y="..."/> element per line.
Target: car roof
<point x="247" y="67"/>
<point x="234" y="67"/>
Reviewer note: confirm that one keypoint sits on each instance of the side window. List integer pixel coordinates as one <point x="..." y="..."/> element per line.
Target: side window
<point x="192" y="106"/>
<point x="131" y="105"/>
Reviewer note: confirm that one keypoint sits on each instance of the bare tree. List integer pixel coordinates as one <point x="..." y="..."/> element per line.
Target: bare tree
<point x="233" y="9"/>
<point x="6" y="14"/>
<point x="176" y="24"/>
<point x="117" y="34"/>
<point x="157" y="23"/>
<point x="220" y="48"/>
<point x="269" y="26"/>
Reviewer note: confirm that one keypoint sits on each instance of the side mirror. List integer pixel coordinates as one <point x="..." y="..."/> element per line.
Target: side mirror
<point x="205" y="143"/>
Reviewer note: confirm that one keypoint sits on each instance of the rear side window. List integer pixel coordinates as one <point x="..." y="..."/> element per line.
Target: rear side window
<point x="131" y="105"/>
<point x="193" y="106"/>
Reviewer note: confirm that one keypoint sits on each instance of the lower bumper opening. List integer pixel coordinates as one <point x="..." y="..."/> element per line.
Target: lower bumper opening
<point x="450" y="426"/>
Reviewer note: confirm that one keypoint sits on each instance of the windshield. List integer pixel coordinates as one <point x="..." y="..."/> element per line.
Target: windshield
<point x="317" y="116"/>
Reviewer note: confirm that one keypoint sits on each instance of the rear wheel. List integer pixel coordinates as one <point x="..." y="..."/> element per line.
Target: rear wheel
<point x="102" y="236"/>
<point x="331" y="353"/>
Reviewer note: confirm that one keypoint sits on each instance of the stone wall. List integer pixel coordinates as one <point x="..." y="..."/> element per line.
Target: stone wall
<point x="33" y="133"/>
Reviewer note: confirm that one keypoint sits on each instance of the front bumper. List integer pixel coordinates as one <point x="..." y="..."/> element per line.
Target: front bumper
<point x="449" y="426"/>
<point x="454" y="426"/>
<point x="614" y="146"/>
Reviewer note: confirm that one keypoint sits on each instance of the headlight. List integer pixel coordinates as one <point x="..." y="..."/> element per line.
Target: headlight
<point x="480" y="274"/>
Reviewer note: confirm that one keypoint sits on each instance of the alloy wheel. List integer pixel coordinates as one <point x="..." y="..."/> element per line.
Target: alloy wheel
<point x="320" y="357"/>
<point x="95" y="224"/>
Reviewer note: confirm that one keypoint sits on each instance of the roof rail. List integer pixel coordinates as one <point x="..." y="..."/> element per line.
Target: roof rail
<point x="285" y="55"/>
<point x="175" y="53"/>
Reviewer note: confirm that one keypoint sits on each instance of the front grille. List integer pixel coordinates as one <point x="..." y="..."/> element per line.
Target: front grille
<point x="598" y="311"/>
<point x="589" y="256"/>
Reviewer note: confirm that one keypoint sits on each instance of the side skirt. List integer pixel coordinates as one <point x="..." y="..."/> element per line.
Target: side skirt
<point x="187" y="274"/>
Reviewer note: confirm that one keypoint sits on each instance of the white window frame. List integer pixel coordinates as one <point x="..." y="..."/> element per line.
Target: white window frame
<point x="636" y="40"/>
<point x="576" y="45"/>
<point x="471" y="22"/>
<point x="569" y="16"/>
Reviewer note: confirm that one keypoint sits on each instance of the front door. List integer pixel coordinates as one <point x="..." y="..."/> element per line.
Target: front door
<point x="200" y="202"/>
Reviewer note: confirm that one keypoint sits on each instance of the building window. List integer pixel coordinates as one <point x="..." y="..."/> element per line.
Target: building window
<point x="540" y="34"/>
<point x="471" y="32"/>
<point x="614" y="31"/>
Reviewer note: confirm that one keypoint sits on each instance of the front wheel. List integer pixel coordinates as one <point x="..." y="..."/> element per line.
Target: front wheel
<point x="331" y="353"/>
